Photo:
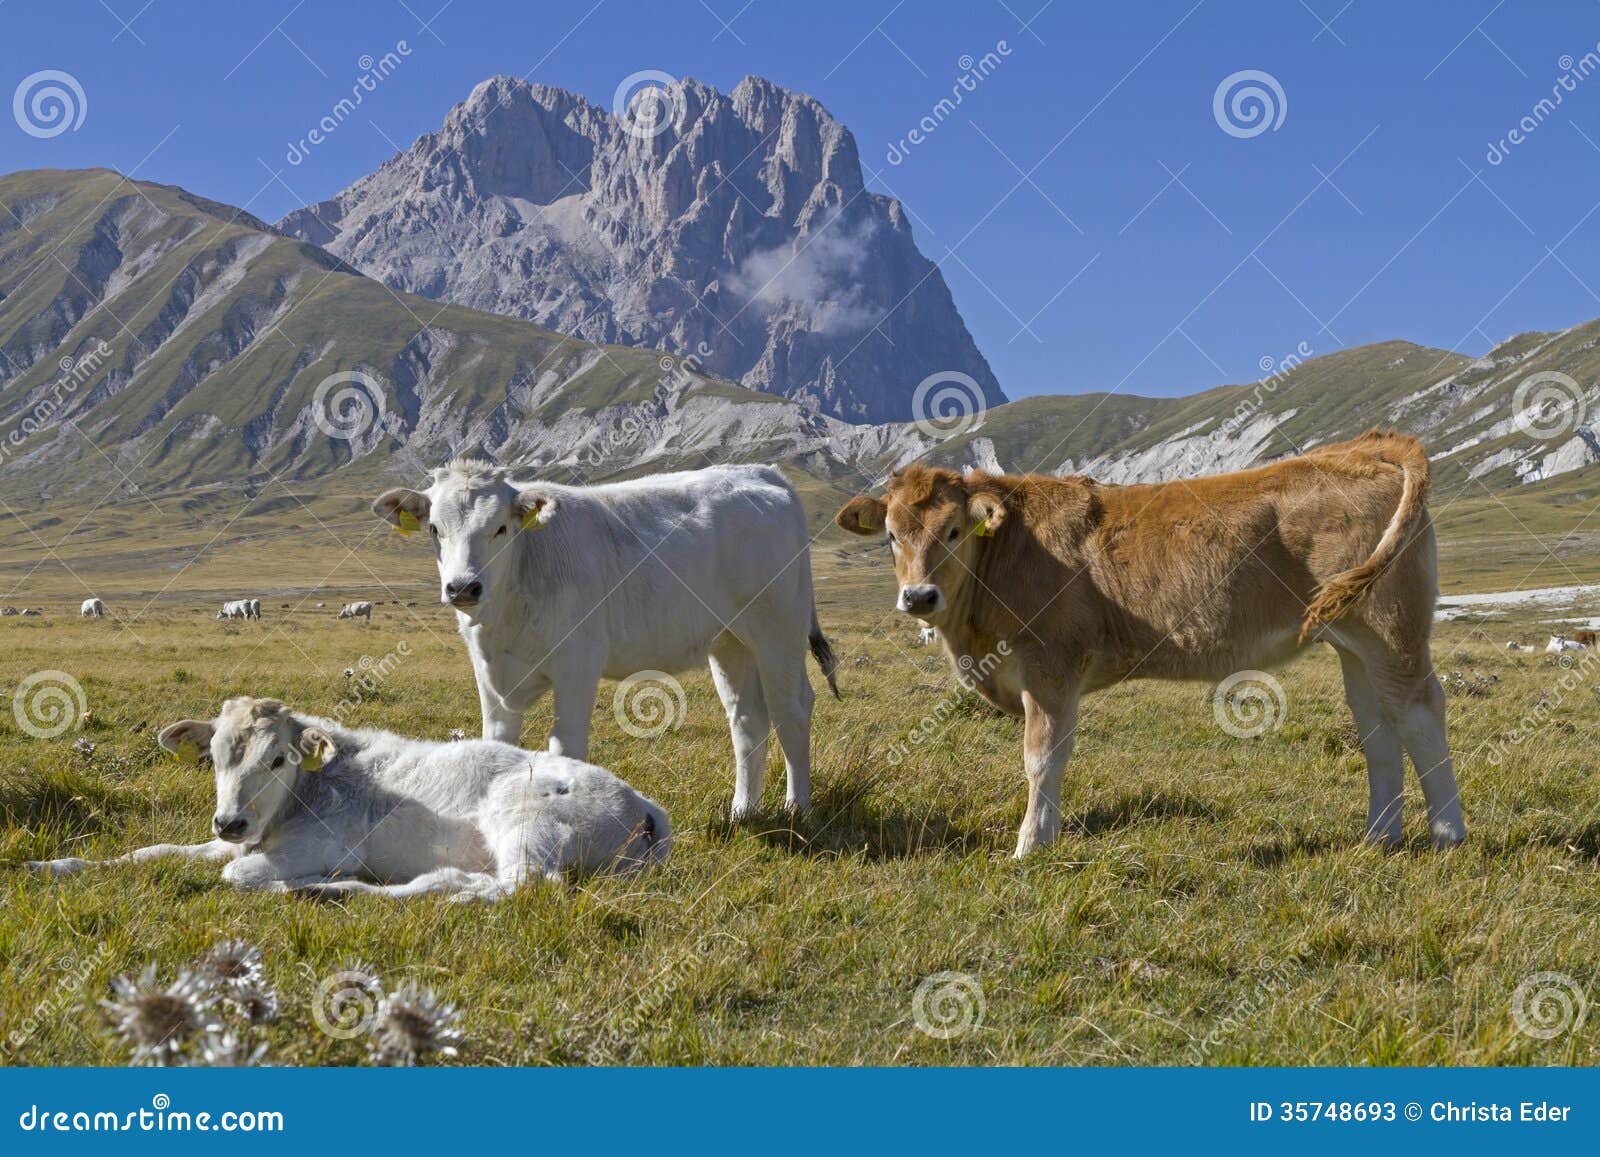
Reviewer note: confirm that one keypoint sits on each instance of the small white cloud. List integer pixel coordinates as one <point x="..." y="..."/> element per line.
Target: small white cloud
<point x="817" y="277"/>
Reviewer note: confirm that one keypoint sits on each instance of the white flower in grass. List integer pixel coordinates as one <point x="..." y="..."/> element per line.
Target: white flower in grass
<point x="160" y="1024"/>
<point x="412" y="1024"/>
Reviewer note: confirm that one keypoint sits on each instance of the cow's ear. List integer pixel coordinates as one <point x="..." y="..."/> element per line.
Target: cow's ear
<point x="187" y="739"/>
<point x="862" y="515"/>
<point x="535" y="508"/>
<point x="987" y="512"/>
<point x="316" y="748"/>
<point x="405" y="510"/>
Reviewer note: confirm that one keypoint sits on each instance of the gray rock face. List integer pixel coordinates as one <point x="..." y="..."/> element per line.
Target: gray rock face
<point x="740" y="233"/>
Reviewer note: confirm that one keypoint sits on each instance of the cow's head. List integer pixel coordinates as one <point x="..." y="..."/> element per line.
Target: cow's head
<point x="473" y="513"/>
<point x="935" y="520"/>
<point x="258" y="749"/>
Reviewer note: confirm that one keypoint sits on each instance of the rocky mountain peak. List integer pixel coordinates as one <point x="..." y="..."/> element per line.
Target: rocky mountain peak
<point x="734" y="227"/>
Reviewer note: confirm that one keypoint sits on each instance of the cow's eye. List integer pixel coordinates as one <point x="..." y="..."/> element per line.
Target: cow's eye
<point x="892" y="538"/>
<point x="955" y="533"/>
<point x="433" y="530"/>
<point x="277" y="763"/>
<point x="499" y="532"/>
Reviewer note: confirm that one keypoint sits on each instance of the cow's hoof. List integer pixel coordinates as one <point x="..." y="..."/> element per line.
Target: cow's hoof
<point x="1447" y="836"/>
<point x="320" y="893"/>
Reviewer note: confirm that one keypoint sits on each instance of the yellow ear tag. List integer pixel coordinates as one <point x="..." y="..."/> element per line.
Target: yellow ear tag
<point x="530" y="521"/>
<point x="311" y="761"/>
<point x="408" y="523"/>
<point x="188" y="751"/>
<point x="983" y="531"/>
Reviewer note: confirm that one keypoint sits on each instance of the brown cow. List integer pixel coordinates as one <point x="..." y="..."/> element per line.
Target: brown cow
<point x="1076" y="585"/>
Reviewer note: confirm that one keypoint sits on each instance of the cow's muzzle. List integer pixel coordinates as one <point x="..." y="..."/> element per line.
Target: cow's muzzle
<point x="230" y="828"/>
<point x="463" y="593"/>
<point x="920" y="600"/>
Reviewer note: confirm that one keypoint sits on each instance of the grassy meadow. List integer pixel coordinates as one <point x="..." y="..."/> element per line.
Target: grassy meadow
<point x="1211" y="900"/>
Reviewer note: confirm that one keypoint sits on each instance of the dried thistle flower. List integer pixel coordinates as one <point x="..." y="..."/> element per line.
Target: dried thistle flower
<point x="158" y="1023"/>
<point x="410" y="1025"/>
<point x="234" y="963"/>
<point x="226" y="1051"/>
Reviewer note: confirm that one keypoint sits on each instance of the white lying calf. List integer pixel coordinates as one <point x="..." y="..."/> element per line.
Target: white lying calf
<point x="305" y="804"/>
<point x="355" y="611"/>
<point x="1559" y="643"/>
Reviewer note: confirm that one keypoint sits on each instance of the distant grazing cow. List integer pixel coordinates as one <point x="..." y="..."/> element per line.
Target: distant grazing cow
<point x="7" y="612"/>
<point x="355" y="610"/>
<point x="31" y="612"/>
<point x="237" y="609"/>
<point x="927" y="636"/>
<point x="255" y="609"/>
<point x="92" y="609"/>
<point x="1045" y="588"/>
<point x="306" y="804"/>
<point x="557" y="586"/>
<point x="1560" y="643"/>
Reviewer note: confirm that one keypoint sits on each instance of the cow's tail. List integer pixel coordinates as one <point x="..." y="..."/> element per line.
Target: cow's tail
<point x="656" y="835"/>
<point x="1338" y="594"/>
<point x="822" y="652"/>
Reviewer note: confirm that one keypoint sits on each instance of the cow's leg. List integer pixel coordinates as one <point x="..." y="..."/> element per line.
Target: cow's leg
<point x="1049" y="728"/>
<point x="1419" y="718"/>
<point x="787" y="689"/>
<point x="1380" y="743"/>
<point x="211" y="851"/>
<point x="500" y="723"/>
<point x="575" y="689"/>
<point x="449" y="882"/>
<point x="738" y="679"/>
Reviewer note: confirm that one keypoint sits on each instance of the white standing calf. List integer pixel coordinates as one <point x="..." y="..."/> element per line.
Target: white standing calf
<point x="254" y="608"/>
<point x="355" y="611"/>
<point x="306" y="804"/>
<point x="927" y="636"/>
<point x="92" y="609"/>
<point x="237" y="609"/>
<point x="655" y="574"/>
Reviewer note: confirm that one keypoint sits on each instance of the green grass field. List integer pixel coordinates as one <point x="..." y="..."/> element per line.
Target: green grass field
<point x="1211" y="899"/>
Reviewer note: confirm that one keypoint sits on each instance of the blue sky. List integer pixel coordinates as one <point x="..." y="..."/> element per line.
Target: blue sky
<point x="1098" y="226"/>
